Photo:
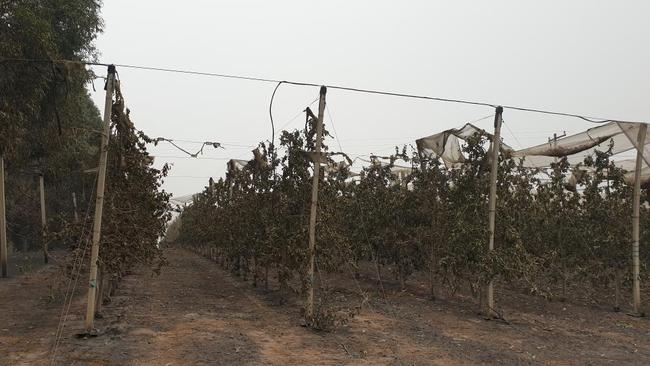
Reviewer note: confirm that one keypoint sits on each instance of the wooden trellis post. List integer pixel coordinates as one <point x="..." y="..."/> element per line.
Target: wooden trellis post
<point x="3" y="220"/>
<point x="636" y="202"/>
<point x="99" y="201"/>
<point x="41" y="185"/>
<point x="309" y="307"/>
<point x="492" y="201"/>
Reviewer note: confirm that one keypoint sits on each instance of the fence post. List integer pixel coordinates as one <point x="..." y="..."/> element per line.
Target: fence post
<point x="3" y="220"/>
<point x="636" y="202"/>
<point x="99" y="201"/>
<point x="309" y="307"/>
<point x="496" y="146"/>
<point x="41" y="184"/>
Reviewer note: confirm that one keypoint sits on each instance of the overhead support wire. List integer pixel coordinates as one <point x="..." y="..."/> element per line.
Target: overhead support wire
<point x="336" y="135"/>
<point x="216" y="145"/>
<point x="297" y="114"/>
<point x="185" y="157"/>
<point x="337" y="87"/>
<point x="220" y="143"/>
<point x="271" y="113"/>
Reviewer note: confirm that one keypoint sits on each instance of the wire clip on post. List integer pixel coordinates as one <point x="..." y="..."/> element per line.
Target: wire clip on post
<point x="499" y="112"/>
<point x="111" y="71"/>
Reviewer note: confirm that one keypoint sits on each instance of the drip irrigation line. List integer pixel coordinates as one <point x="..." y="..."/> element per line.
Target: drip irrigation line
<point x="598" y="120"/>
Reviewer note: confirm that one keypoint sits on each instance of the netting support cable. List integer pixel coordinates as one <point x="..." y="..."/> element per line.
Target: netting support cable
<point x="337" y="87"/>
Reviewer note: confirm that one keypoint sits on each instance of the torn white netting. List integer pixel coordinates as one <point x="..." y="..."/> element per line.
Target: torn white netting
<point x="622" y="136"/>
<point x="181" y="200"/>
<point x="330" y="165"/>
<point x="334" y="167"/>
<point x="447" y="145"/>
<point x="400" y="172"/>
<point x="236" y="164"/>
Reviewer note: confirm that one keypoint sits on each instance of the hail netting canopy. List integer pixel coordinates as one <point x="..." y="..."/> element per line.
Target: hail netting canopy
<point x="187" y="199"/>
<point x="447" y="144"/>
<point x="620" y="136"/>
<point x="236" y="164"/>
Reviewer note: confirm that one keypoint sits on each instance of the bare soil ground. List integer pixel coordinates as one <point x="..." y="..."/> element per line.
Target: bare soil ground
<point x="195" y="313"/>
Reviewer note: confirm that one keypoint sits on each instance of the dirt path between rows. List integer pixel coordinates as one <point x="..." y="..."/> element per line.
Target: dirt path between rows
<point x="195" y="313"/>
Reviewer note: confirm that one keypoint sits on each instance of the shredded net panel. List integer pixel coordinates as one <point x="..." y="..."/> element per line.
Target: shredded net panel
<point x="447" y="145"/>
<point x="622" y="136"/>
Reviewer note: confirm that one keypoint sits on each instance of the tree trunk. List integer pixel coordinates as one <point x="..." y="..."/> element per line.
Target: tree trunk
<point x="254" y="271"/>
<point x="100" y="291"/>
<point x="378" y="270"/>
<point x="432" y="272"/>
<point x="617" y="290"/>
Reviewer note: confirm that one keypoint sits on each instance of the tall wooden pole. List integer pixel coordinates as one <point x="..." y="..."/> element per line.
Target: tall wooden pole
<point x="636" y="202"/>
<point x="492" y="203"/>
<point x="309" y="308"/>
<point x="3" y="220"/>
<point x="41" y="184"/>
<point x="99" y="201"/>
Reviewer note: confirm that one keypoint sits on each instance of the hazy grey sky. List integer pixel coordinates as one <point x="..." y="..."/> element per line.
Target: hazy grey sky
<point x="588" y="57"/>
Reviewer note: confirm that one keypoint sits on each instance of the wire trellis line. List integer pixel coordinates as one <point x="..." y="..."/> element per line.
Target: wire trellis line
<point x="336" y="87"/>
